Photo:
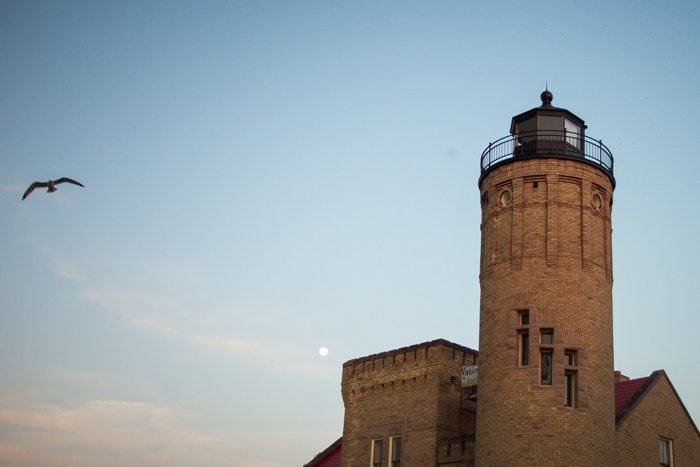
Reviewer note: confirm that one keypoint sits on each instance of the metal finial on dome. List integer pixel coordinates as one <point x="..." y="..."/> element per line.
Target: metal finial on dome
<point x="546" y="98"/>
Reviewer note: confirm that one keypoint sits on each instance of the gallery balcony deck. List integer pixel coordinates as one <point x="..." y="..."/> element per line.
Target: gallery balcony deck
<point x="547" y="143"/>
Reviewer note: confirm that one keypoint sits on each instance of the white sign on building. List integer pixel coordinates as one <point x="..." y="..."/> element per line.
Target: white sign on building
<point x="469" y="375"/>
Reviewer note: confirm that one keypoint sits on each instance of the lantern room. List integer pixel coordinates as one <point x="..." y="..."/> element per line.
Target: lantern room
<point x="548" y="128"/>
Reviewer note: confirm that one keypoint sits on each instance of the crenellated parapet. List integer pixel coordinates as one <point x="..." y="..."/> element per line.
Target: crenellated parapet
<point x="413" y="392"/>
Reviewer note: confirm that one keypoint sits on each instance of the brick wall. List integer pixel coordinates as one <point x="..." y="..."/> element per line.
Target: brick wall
<point x="657" y="413"/>
<point x="546" y="248"/>
<point x="413" y="392"/>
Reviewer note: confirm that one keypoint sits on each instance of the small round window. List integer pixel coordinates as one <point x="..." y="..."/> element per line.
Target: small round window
<point x="596" y="201"/>
<point x="505" y="198"/>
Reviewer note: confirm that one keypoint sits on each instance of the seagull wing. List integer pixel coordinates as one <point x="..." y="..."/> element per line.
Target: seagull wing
<point x="68" y="180"/>
<point x="33" y="186"/>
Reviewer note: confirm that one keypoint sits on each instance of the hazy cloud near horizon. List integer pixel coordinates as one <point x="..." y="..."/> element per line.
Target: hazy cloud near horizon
<point x="119" y="432"/>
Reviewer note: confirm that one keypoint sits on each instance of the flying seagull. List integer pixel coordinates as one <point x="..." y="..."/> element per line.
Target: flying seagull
<point x="51" y="185"/>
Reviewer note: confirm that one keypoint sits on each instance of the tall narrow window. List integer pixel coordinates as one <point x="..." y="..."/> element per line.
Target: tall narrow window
<point x="376" y="454"/>
<point x="571" y="378"/>
<point x="546" y="367"/>
<point x="524" y="338"/>
<point x="665" y="452"/>
<point x="395" y="451"/>
<point x="546" y="356"/>
<point x="570" y="390"/>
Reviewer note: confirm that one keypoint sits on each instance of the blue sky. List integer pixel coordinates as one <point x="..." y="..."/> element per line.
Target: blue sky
<point x="266" y="178"/>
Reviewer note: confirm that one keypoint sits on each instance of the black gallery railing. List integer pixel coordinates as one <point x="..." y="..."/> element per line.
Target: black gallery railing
<point x="547" y="143"/>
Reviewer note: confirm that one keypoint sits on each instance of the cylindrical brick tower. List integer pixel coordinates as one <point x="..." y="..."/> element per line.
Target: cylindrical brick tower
<point x="546" y="388"/>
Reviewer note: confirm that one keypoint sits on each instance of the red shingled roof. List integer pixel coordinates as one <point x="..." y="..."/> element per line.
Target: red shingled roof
<point x="330" y="457"/>
<point x="625" y="392"/>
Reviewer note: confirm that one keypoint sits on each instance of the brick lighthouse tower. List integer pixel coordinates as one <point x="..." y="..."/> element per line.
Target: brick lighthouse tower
<point x="546" y="389"/>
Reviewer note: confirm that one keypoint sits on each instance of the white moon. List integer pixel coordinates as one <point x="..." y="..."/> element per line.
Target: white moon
<point x="323" y="351"/>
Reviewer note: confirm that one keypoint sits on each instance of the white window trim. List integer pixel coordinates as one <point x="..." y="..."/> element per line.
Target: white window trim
<point x="391" y="449"/>
<point x="371" y="453"/>
<point x="669" y="443"/>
